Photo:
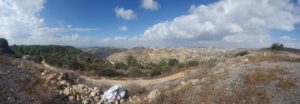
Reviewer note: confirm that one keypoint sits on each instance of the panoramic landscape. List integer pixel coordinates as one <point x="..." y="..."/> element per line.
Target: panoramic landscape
<point x="149" y="52"/>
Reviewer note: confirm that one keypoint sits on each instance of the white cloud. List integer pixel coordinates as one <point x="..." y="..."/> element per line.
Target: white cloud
<point x="123" y="28"/>
<point x="150" y="4"/>
<point x="21" y="23"/>
<point x="125" y="14"/>
<point x="235" y="23"/>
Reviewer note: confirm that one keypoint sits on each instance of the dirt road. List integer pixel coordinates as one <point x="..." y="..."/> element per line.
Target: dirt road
<point x="141" y="82"/>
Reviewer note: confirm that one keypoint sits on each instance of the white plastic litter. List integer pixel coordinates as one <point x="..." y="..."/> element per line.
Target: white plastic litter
<point x="116" y="92"/>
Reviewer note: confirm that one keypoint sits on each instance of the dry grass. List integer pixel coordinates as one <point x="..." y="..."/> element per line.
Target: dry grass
<point x="5" y="60"/>
<point x="252" y="91"/>
<point x="135" y="89"/>
<point x="213" y="95"/>
<point x="264" y="77"/>
<point x="41" y="92"/>
<point x="272" y="57"/>
<point x="286" y="83"/>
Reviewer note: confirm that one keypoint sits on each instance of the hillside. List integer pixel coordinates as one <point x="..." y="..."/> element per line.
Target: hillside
<point x="267" y="77"/>
<point x="257" y="78"/>
<point x="102" y="52"/>
<point x="155" y="55"/>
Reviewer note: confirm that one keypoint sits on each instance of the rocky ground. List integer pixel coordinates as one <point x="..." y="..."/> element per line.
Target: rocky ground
<point x="25" y="82"/>
<point x="257" y="78"/>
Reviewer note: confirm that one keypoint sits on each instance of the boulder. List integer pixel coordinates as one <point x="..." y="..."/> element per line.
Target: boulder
<point x="71" y="98"/>
<point x="116" y="92"/>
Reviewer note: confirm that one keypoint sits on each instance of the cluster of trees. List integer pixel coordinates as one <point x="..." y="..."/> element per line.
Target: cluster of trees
<point x="137" y="69"/>
<point x="65" y="57"/>
<point x="72" y="58"/>
<point x="4" y="48"/>
<point x="61" y="56"/>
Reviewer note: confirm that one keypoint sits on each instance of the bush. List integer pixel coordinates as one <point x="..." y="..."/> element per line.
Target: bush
<point x="120" y="66"/>
<point x="192" y="63"/>
<point x="135" y="72"/>
<point x="156" y="72"/>
<point x="108" y="72"/>
<point x="277" y="46"/>
<point x="208" y="64"/>
<point x="162" y="65"/>
<point x="243" y="53"/>
<point x="132" y="61"/>
<point x="173" y="62"/>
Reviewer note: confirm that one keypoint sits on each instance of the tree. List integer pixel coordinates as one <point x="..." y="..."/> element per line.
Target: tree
<point x="173" y="62"/>
<point x="163" y="64"/>
<point x="4" y="48"/>
<point x="132" y="61"/>
<point x="277" y="46"/>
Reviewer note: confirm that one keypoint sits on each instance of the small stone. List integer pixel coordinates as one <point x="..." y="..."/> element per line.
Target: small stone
<point x="97" y="98"/>
<point x="93" y="94"/>
<point x="244" y="101"/>
<point x="66" y="91"/>
<point x="85" y="102"/>
<point x="122" y="101"/>
<point x="63" y="82"/>
<point x="71" y="98"/>
<point x="60" y="76"/>
<point x="182" y="82"/>
<point x="194" y="81"/>
<point x="51" y="76"/>
<point x="78" y="98"/>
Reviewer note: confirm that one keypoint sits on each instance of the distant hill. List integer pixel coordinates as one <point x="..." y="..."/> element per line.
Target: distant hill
<point x="102" y="52"/>
<point x="4" y="48"/>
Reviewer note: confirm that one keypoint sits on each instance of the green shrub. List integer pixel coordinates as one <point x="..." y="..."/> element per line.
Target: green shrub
<point x="207" y="64"/>
<point x="163" y="65"/>
<point x="277" y="46"/>
<point x="132" y="61"/>
<point x="192" y="63"/>
<point x="243" y="53"/>
<point x="120" y="66"/>
<point x="108" y="72"/>
<point x="150" y="66"/>
<point x="173" y="62"/>
<point x="156" y="72"/>
<point x="135" y="72"/>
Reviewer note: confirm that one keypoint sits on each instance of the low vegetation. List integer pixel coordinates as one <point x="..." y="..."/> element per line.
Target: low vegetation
<point x="134" y="68"/>
<point x="72" y="58"/>
<point x="243" y="53"/>
<point x="65" y="57"/>
<point x="272" y="57"/>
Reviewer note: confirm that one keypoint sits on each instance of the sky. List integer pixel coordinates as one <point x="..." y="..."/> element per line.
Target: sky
<point x="151" y="23"/>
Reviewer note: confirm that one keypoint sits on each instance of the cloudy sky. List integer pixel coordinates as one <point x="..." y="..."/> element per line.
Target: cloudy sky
<point x="151" y="23"/>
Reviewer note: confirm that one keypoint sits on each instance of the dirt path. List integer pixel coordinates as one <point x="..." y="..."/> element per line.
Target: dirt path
<point x="141" y="82"/>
